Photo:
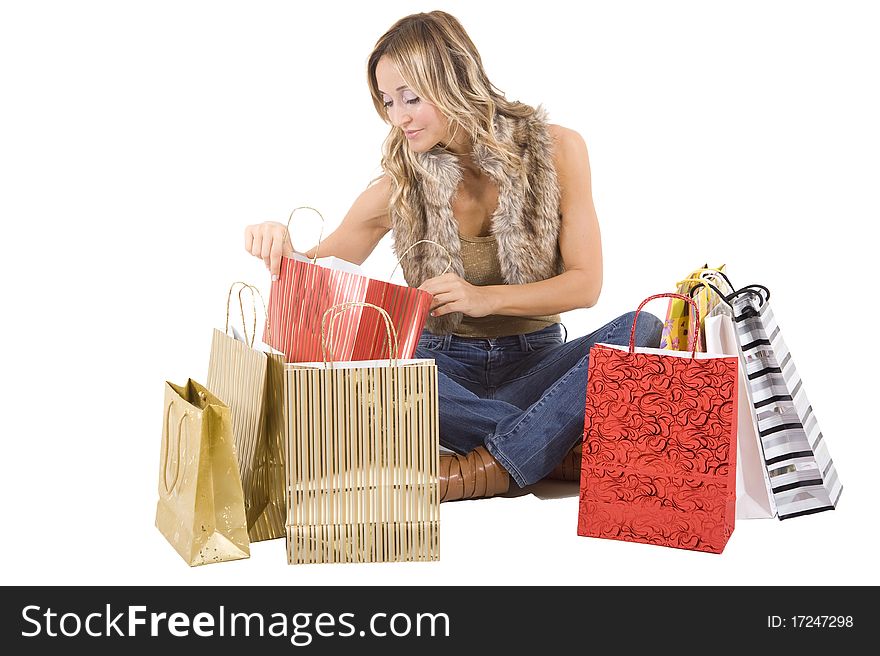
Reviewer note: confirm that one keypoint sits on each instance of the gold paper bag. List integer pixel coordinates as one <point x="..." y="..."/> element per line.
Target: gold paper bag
<point x="363" y="455"/>
<point x="201" y="506"/>
<point x="251" y="383"/>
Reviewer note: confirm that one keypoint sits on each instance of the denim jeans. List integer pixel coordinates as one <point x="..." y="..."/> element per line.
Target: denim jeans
<point x="522" y="396"/>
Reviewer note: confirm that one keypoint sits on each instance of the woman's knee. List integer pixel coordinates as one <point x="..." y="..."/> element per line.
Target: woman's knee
<point x="648" y="328"/>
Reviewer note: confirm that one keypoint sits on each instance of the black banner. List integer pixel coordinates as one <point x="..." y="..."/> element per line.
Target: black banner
<point x="423" y="620"/>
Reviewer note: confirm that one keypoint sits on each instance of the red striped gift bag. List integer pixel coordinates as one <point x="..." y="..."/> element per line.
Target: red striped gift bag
<point x="306" y="289"/>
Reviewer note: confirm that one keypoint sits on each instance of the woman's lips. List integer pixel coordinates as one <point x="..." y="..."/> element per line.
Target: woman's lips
<point x="411" y="133"/>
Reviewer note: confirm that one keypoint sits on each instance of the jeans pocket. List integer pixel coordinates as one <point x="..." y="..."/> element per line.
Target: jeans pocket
<point x="431" y="343"/>
<point x="543" y="342"/>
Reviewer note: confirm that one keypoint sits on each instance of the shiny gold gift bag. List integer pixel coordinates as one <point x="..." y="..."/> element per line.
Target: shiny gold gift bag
<point x="201" y="506"/>
<point x="363" y="454"/>
<point x="251" y="383"/>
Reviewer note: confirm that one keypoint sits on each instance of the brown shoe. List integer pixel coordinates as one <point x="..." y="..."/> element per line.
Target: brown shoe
<point x="473" y="476"/>
<point x="570" y="467"/>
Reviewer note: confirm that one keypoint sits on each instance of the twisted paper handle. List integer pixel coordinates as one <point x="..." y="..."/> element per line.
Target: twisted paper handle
<point x="695" y="321"/>
<point x="244" y="286"/>
<point x="337" y="310"/>
<point x="179" y="448"/>
<point x="320" y="235"/>
<point x="423" y="241"/>
<point x="254" y="292"/>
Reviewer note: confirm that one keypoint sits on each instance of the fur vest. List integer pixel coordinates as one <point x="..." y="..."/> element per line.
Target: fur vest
<point x="525" y="223"/>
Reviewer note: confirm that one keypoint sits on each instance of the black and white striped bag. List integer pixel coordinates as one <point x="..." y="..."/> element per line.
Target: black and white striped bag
<point x="802" y="475"/>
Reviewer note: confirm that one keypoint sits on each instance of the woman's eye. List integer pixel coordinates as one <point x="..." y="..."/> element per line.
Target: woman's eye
<point x="409" y="101"/>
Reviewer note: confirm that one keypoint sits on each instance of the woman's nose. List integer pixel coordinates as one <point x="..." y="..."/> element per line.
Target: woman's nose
<point x="399" y="117"/>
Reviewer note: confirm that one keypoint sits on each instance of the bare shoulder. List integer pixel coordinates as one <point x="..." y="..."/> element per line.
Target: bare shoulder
<point x="373" y="203"/>
<point x="565" y="140"/>
<point x="380" y="188"/>
<point x="569" y="149"/>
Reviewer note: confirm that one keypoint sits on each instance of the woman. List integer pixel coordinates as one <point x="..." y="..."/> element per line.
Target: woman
<point x="508" y="197"/>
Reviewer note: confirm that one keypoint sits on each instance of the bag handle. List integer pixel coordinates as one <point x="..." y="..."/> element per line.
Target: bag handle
<point x="763" y="293"/>
<point x="760" y="291"/>
<point x="338" y="309"/>
<point x="244" y="286"/>
<point x="765" y="296"/>
<point x="717" y="272"/>
<point x="254" y="292"/>
<point x="179" y="447"/>
<point x="320" y="234"/>
<point x="698" y="283"/>
<point x="699" y="273"/>
<point x="766" y="292"/>
<point x="695" y="320"/>
<point x="268" y="326"/>
<point x="423" y="241"/>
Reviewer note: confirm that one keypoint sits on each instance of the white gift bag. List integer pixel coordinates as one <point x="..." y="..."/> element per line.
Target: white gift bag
<point x="754" y="499"/>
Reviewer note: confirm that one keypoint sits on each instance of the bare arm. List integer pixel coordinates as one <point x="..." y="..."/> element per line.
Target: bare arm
<point x="364" y="225"/>
<point x="579" y="242"/>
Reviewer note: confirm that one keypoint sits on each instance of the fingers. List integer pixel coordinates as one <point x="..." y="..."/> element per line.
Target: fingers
<point x="436" y="286"/>
<point x="446" y="290"/>
<point x="266" y="249"/>
<point x="275" y="253"/>
<point x="266" y="241"/>
<point x="441" y="300"/>
<point x="446" y="308"/>
<point x="439" y="283"/>
<point x="255" y="247"/>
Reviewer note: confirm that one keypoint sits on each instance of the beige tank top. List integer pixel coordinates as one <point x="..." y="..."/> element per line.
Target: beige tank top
<point x="479" y="257"/>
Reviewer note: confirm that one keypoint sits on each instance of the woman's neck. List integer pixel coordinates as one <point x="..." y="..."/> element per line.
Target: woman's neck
<point x="465" y="160"/>
<point x="462" y="148"/>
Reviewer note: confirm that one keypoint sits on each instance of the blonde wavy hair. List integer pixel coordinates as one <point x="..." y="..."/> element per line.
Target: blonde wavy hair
<point x="440" y="63"/>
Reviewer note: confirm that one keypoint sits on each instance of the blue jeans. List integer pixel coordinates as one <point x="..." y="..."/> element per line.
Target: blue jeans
<point x="522" y="396"/>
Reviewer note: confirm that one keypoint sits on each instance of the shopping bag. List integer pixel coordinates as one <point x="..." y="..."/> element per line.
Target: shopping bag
<point x="305" y="290"/>
<point x="201" y="505"/>
<point x="802" y="474"/>
<point x="754" y="499"/>
<point x="363" y="439"/>
<point x="251" y="382"/>
<point x="674" y="335"/>
<point x="659" y="452"/>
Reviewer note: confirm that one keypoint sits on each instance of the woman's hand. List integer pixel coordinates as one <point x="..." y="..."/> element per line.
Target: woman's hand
<point x="453" y="293"/>
<point x="268" y="241"/>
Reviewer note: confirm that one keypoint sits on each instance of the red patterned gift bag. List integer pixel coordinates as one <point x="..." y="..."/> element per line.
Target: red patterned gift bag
<point x="659" y="456"/>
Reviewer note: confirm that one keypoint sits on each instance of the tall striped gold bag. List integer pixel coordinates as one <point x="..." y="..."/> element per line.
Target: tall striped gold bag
<point x="362" y="455"/>
<point x="251" y="383"/>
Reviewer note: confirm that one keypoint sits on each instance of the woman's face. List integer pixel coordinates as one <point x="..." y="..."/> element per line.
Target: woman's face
<point x="420" y="121"/>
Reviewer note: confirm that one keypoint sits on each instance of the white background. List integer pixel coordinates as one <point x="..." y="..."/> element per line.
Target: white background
<point x="138" y="140"/>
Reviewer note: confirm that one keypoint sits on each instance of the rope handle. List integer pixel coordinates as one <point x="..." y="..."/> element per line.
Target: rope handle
<point x="287" y="237"/>
<point x="244" y="286"/>
<point x="423" y="241"/>
<point x="695" y="320"/>
<point x="337" y="310"/>
<point x="254" y="292"/>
